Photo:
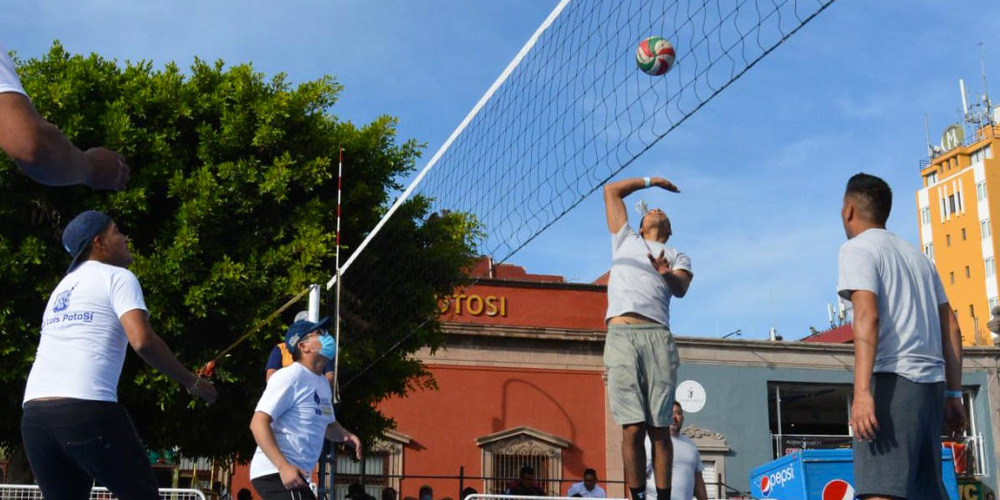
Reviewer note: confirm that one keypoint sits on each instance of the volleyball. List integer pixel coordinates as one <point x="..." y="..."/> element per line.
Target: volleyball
<point x="655" y="56"/>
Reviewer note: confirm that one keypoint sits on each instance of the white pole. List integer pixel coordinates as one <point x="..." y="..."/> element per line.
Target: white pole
<point x="314" y="302"/>
<point x="336" y="301"/>
<point x="454" y="135"/>
<point x="965" y="100"/>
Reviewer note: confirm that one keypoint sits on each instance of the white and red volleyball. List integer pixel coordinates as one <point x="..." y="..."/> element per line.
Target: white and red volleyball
<point x="655" y="56"/>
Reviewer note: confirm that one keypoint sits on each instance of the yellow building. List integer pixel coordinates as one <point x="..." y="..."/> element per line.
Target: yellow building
<point x="956" y="211"/>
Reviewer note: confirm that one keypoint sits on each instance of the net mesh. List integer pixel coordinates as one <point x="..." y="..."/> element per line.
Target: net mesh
<point x="573" y="113"/>
<point x="577" y="110"/>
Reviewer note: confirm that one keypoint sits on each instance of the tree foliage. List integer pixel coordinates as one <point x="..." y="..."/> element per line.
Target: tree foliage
<point x="231" y="210"/>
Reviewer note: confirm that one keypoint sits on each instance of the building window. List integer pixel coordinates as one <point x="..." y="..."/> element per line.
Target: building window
<point x="947" y="240"/>
<point x="958" y="201"/>
<point x="808" y="416"/>
<point x="984" y="227"/>
<point x="931" y="178"/>
<point x="981" y="191"/>
<point x="989" y="267"/>
<point x="951" y="204"/>
<point x="968" y="274"/>
<point x="951" y="277"/>
<point x="371" y="471"/>
<point x="925" y="215"/>
<point x="505" y="452"/>
<point x="994" y="302"/>
<point x="929" y="251"/>
<point x="381" y="467"/>
<point x="963" y="234"/>
<point x="981" y="154"/>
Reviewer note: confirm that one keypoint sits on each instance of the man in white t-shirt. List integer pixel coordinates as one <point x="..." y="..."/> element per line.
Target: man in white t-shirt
<point x="907" y="352"/>
<point x="587" y="488"/>
<point x="686" y="481"/>
<point x="293" y="416"/>
<point x="41" y="151"/>
<point x="639" y="351"/>
<point x="73" y="429"/>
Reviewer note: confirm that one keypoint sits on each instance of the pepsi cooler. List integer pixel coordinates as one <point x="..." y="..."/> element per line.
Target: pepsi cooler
<point x="822" y="475"/>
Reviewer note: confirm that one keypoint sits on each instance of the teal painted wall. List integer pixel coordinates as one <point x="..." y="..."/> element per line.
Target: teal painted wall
<point x="736" y="406"/>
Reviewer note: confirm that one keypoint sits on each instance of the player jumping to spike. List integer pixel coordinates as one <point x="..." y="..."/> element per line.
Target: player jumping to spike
<point x="639" y="353"/>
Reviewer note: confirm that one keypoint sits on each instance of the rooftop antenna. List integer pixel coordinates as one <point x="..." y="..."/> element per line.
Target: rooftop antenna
<point x="965" y="100"/>
<point x="986" y="94"/>
<point x="930" y="154"/>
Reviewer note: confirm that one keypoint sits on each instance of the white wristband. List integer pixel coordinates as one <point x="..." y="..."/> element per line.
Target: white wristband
<point x="647" y="180"/>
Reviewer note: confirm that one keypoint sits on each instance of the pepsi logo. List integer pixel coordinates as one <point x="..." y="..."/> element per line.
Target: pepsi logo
<point x="838" y="489"/>
<point x="777" y="480"/>
<point x="766" y="486"/>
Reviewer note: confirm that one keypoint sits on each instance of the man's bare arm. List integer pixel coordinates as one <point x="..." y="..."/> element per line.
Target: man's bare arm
<point x="951" y="347"/>
<point x="615" y="193"/>
<point x="45" y="155"/>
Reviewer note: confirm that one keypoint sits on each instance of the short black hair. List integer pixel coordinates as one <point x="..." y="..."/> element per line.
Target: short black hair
<point x="527" y="469"/>
<point x="244" y="494"/>
<point x="426" y="489"/>
<point x="678" y="404"/>
<point x="590" y="472"/>
<point x="874" y="196"/>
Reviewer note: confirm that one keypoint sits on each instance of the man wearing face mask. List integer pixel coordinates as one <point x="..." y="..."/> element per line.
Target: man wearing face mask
<point x="293" y="416"/>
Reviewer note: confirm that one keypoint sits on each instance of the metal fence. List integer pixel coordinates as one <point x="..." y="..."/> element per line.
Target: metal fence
<point x="452" y="486"/>
<point x="33" y="492"/>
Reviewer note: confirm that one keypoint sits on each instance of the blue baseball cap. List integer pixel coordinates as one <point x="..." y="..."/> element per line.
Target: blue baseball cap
<point x="300" y="329"/>
<point x="81" y="231"/>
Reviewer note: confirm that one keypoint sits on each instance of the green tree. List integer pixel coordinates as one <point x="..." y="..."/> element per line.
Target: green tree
<point x="231" y="210"/>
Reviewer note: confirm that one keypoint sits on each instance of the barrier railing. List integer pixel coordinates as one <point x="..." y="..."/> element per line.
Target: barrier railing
<point x="33" y="492"/>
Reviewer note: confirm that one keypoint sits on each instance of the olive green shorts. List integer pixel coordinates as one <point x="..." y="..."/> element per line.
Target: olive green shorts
<point x="642" y="365"/>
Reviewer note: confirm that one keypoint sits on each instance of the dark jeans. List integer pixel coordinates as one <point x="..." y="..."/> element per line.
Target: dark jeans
<point x="70" y="443"/>
<point x="269" y="487"/>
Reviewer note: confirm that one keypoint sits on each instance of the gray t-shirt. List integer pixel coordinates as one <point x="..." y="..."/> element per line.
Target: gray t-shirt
<point x="687" y="463"/>
<point x="909" y="292"/>
<point x="634" y="285"/>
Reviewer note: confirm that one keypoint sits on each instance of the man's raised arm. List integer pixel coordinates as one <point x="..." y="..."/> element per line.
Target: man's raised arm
<point x="615" y="193"/>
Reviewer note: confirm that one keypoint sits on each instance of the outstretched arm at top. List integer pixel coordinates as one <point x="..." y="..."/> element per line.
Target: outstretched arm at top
<point x="615" y="193"/>
<point x="44" y="154"/>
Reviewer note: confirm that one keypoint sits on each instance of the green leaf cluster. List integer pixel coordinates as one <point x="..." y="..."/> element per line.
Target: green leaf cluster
<point x="231" y="210"/>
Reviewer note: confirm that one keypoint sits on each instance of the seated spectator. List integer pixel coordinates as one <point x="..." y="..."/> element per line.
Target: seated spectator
<point x="426" y="493"/>
<point x="468" y="491"/>
<point x="389" y="494"/>
<point x="587" y="488"/>
<point x="525" y="485"/>
<point x="244" y="494"/>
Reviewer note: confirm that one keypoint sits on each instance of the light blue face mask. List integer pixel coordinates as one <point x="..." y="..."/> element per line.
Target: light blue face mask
<point x="328" y="346"/>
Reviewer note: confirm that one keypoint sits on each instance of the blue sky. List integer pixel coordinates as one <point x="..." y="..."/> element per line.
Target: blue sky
<point x="761" y="168"/>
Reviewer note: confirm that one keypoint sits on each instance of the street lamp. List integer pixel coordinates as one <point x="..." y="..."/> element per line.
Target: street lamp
<point x="740" y="332"/>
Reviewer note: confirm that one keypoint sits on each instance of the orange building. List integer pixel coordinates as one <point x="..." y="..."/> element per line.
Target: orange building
<point x="956" y="209"/>
<point x="520" y="382"/>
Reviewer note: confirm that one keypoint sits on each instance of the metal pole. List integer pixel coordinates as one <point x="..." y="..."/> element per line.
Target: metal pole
<point x="777" y="404"/>
<point x="336" y="301"/>
<point x="461" y="481"/>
